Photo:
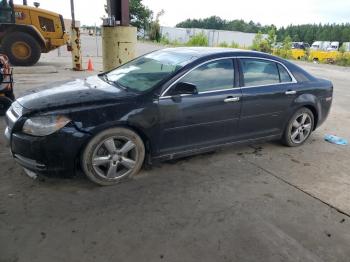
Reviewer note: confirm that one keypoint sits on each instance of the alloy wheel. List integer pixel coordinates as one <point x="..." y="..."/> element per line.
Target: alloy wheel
<point x="114" y="158"/>
<point x="301" y="128"/>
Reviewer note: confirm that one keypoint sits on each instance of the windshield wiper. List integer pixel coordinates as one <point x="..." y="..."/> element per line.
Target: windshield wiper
<point x="122" y="86"/>
<point x="105" y="77"/>
<point x="113" y="83"/>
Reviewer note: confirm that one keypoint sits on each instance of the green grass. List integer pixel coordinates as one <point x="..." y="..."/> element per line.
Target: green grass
<point x="198" y="40"/>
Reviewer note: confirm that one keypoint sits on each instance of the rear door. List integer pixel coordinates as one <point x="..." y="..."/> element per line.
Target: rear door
<point x="268" y="91"/>
<point x="208" y="118"/>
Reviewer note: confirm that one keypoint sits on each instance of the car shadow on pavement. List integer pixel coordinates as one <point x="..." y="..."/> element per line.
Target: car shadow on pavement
<point x="79" y="180"/>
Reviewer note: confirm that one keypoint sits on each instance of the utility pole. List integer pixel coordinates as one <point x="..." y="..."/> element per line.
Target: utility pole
<point x="96" y="40"/>
<point x="118" y="37"/>
<point x="72" y="13"/>
<point x="75" y="42"/>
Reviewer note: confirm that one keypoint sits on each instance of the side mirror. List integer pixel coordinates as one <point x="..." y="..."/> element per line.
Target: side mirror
<point x="184" y="88"/>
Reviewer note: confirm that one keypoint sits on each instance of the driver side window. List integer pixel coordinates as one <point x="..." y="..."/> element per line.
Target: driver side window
<point x="216" y="75"/>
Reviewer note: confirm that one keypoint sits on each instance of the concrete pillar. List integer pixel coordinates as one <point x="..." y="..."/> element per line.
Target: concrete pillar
<point x="118" y="45"/>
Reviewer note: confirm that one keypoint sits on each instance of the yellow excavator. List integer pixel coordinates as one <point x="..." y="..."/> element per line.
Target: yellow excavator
<point x="26" y="32"/>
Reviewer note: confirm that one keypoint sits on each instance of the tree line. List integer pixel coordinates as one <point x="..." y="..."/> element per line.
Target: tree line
<point x="215" y="22"/>
<point x="312" y="32"/>
<point x="144" y="19"/>
<point x="298" y="33"/>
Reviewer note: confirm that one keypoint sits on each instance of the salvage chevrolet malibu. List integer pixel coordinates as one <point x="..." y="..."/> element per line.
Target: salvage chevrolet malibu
<point x="164" y="105"/>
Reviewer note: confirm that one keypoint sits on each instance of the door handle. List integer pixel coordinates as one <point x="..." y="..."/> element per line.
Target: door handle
<point x="290" y="92"/>
<point x="232" y="99"/>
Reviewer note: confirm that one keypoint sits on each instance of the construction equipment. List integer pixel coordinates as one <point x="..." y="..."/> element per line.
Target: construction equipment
<point x="26" y="32"/>
<point x="300" y="50"/>
<point x="6" y="85"/>
<point x="324" y="51"/>
<point x="323" y="56"/>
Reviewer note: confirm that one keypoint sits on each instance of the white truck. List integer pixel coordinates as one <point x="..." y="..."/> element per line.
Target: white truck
<point x="334" y="46"/>
<point x="320" y="45"/>
<point x="346" y="46"/>
<point x="325" y="46"/>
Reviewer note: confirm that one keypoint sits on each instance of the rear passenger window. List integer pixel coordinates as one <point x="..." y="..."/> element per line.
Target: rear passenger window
<point x="284" y="75"/>
<point x="259" y="72"/>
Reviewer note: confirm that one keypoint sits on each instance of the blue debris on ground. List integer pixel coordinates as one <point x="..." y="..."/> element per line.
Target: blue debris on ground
<point x="336" y="140"/>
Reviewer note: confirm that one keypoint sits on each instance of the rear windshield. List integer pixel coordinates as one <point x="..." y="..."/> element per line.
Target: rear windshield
<point x="145" y="72"/>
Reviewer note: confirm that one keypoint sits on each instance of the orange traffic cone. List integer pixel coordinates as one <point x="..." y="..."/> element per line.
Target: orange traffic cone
<point x="90" y="65"/>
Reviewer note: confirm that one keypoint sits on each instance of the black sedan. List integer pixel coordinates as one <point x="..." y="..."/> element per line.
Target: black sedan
<point x="164" y="105"/>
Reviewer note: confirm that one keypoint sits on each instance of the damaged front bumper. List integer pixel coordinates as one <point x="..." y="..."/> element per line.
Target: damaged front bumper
<point x="56" y="154"/>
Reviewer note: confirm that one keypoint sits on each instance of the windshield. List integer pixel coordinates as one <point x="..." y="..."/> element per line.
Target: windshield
<point x="145" y="72"/>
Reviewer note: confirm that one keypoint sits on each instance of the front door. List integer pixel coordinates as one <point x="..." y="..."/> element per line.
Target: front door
<point x="201" y="120"/>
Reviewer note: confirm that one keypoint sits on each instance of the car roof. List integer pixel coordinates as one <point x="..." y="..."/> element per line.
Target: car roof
<point x="200" y="52"/>
<point x="216" y="52"/>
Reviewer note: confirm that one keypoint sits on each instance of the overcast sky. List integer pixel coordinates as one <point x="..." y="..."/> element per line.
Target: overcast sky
<point x="278" y="12"/>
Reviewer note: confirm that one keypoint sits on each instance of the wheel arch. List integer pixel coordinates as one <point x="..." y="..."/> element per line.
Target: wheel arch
<point x="313" y="109"/>
<point x="310" y="102"/>
<point x="138" y="130"/>
<point x="309" y="106"/>
<point x="141" y="133"/>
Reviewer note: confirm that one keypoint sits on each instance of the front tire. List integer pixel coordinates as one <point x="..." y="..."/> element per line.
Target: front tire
<point x="112" y="156"/>
<point x="5" y="104"/>
<point x="10" y="95"/>
<point x="22" y="49"/>
<point x="299" y="128"/>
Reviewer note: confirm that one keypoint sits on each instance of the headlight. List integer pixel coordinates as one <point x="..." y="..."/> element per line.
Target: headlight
<point x="44" y="125"/>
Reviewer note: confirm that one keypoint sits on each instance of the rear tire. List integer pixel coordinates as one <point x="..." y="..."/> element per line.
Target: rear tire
<point x="299" y="128"/>
<point x="22" y="49"/>
<point x="112" y="156"/>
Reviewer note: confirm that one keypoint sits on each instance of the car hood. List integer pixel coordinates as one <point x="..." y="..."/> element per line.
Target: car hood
<point x="92" y="90"/>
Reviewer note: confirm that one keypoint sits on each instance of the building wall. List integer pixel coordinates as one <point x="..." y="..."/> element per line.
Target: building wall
<point x="68" y="24"/>
<point x="215" y="37"/>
